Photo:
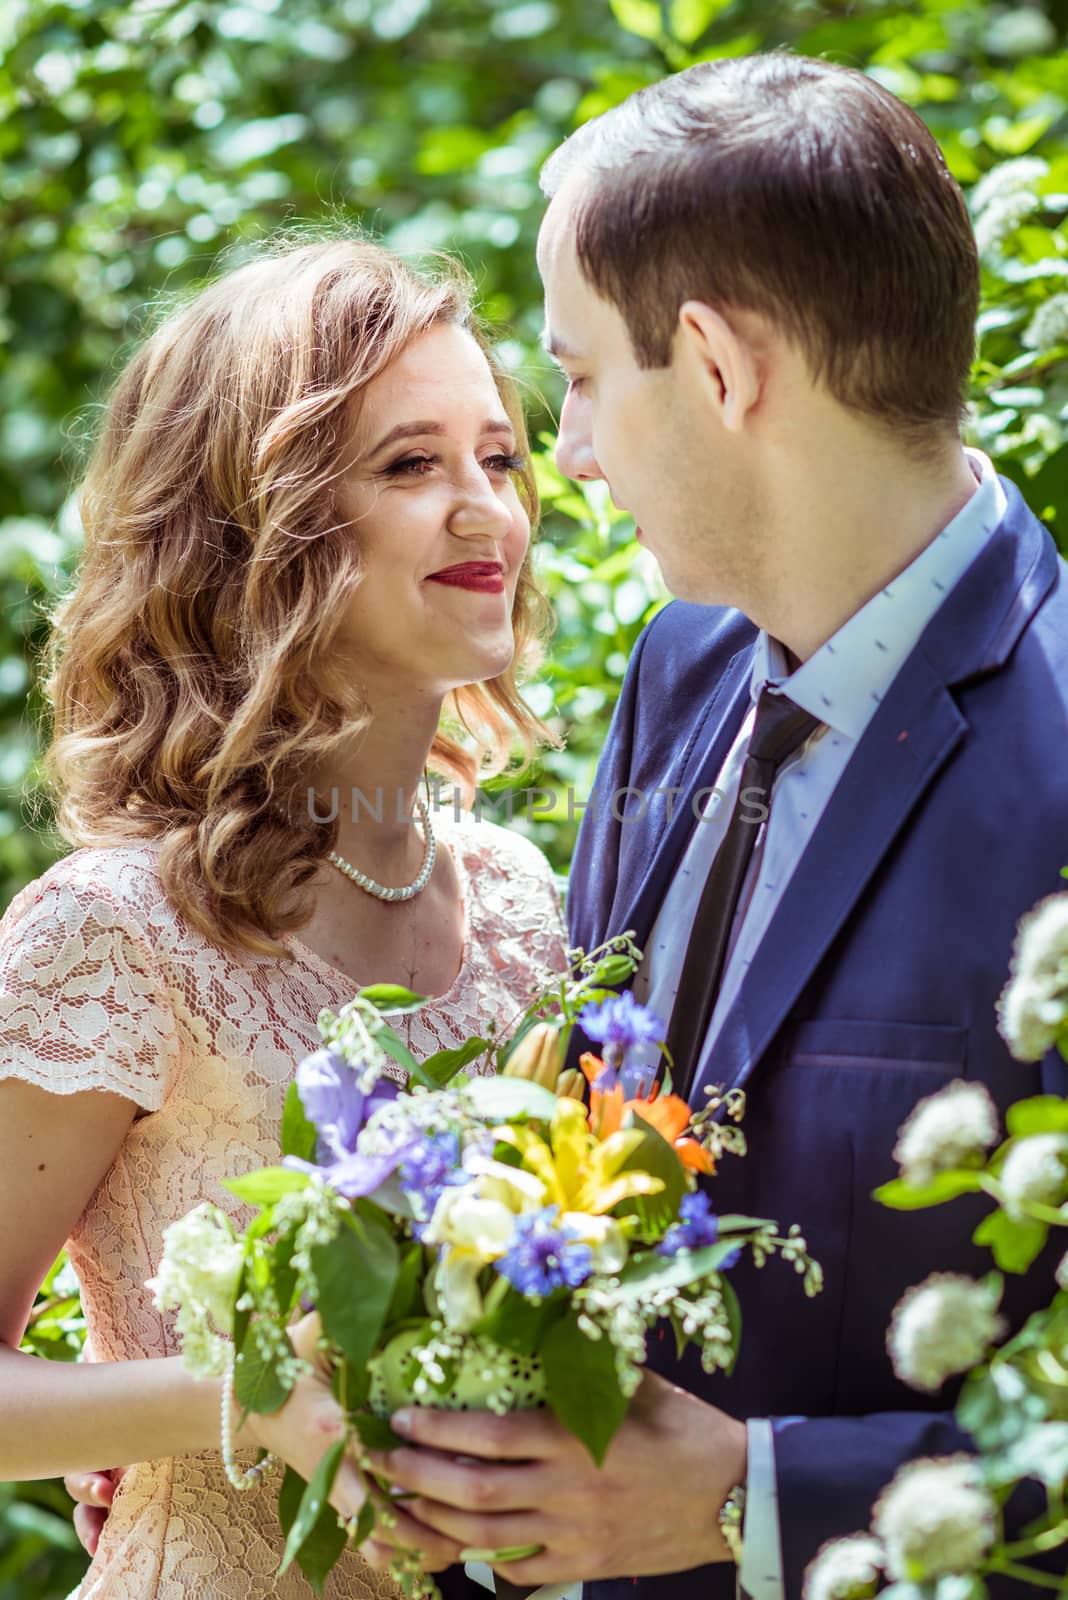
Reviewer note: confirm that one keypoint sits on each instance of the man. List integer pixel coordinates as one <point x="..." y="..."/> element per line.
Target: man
<point x="761" y="283"/>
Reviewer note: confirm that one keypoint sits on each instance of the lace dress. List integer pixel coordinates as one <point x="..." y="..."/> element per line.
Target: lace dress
<point x="103" y="985"/>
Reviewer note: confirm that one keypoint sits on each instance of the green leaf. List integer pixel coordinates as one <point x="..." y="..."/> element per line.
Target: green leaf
<point x="357" y="1274"/>
<point x="392" y="999"/>
<point x="689" y="19"/>
<point x="263" y="1188"/>
<point x="902" y="1196"/>
<point x="582" y="1387"/>
<point x="299" y="1134"/>
<point x="1014" y="1244"/>
<point x="1042" y="1113"/>
<point x="406" y="1301"/>
<point x="520" y="1324"/>
<point x="734" y="1320"/>
<point x="447" y="1063"/>
<point x="375" y="1432"/>
<point x="653" y="1272"/>
<point x="655" y="1156"/>
<point x="314" y="1502"/>
<point x="641" y="17"/>
<point x="396" y="1048"/>
<point x="500" y="1099"/>
<point x="258" y="1383"/>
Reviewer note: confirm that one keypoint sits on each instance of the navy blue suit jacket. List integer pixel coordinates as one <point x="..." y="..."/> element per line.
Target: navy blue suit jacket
<point x="874" y="985"/>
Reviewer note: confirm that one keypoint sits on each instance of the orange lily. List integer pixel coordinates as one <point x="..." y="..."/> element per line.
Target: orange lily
<point x="668" y="1114"/>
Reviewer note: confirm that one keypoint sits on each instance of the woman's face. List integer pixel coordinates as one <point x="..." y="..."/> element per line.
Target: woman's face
<point x="442" y="534"/>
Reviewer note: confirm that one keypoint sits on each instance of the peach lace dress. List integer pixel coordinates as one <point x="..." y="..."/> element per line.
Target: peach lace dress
<point x="103" y="985"/>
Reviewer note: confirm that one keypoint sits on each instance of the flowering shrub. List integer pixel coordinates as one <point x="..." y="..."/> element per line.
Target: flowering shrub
<point x="489" y="1241"/>
<point x="936" y="1528"/>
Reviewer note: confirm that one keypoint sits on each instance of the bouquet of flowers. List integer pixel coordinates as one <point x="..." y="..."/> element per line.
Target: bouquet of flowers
<point x="491" y="1239"/>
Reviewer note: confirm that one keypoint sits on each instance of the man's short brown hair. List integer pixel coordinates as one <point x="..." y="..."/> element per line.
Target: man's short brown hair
<point x="798" y="189"/>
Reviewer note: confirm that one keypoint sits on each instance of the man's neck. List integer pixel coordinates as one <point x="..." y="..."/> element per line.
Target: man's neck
<point x="844" y="537"/>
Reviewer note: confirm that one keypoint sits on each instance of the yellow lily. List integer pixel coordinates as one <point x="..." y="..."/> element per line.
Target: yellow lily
<point x="579" y="1172"/>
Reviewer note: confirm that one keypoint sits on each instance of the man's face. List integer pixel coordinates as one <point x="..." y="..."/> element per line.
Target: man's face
<point x="640" y="429"/>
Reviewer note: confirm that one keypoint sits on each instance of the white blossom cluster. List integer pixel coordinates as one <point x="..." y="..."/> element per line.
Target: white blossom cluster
<point x="1000" y="220"/>
<point x="942" y="1326"/>
<point x="845" y="1569"/>
<point x="198" y="1279"/>
<point x="953" y="1128"/>
<point x="315" y="1214"/>
<point x="1011" y="177"/>
<point x="1048" y="328"/>
<point x="936" y="1517"/>
<point x="1033" y="1007"/>
<point x="1035" y="1173"/>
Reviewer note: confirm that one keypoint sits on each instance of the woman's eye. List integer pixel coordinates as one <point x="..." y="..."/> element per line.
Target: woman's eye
<point x="413" y="465"/>
<point x="504" y="463"/>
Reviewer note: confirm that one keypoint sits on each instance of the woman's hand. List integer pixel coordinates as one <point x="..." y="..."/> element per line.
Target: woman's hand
<point x="308" y="1424"/>
<point x="92" y="1493"/>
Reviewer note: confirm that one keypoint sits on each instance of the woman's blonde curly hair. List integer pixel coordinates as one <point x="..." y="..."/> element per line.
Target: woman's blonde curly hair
<point x="191" y="670"/>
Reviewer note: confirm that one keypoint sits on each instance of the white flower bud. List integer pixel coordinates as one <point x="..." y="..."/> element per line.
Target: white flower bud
<point x="1034" y="1172"/>
<point x="198" y="1278"/>
<point x="1033" y="1007"/>
<point x="935" y="1517"/>
<point x="953" y="1128"/>
<point x="942" y="1326"/>
<point x="845" y="1569"/>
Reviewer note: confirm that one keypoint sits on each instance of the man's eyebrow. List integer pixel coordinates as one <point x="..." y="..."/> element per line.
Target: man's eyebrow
<point x="414" y="430"/>
<point x="557" y="347"/>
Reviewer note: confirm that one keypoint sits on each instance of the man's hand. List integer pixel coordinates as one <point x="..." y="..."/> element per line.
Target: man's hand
<point x="482" y="1482"/>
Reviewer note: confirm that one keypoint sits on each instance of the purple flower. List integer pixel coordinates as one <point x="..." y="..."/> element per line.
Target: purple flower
<point x="431" y="1165"/>
<point x="542" y="1258"/>
<point x="698" y="1226"/>
<point x="622" y="1024"/>
<point x="330" y="1093"/>
<point x="333" y="1100"/>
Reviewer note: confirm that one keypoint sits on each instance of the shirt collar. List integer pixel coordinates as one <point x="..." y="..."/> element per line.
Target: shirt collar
<point x="844" y="681"/>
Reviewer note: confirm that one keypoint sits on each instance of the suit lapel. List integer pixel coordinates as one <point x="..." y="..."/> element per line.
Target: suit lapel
<point x="637" y="907"/>
<point x="905" y="746"/>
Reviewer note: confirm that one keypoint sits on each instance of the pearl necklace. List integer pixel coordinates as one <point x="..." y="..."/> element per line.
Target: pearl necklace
<point x="379" y="890"/>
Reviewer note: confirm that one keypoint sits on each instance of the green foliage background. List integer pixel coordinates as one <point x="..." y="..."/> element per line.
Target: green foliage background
<point x="139" y="141"/>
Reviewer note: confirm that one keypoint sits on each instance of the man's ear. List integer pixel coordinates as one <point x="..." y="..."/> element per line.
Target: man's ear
<point x="725" y="361"/>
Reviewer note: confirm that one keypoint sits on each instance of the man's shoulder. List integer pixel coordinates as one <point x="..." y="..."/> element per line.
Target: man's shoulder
<point x="684" y="636"/>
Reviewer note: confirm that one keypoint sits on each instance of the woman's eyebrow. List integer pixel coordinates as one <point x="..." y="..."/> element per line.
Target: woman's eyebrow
<point x="413" y="430"/>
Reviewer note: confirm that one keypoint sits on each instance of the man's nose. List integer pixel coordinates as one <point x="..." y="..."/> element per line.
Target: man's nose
<point x="574" y="442"/>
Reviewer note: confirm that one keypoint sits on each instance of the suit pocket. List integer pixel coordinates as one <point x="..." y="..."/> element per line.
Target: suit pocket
<point x="864" y="1043"/>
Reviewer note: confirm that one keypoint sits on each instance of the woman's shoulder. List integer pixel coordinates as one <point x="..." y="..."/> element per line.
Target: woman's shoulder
<point x="490" y="845"/>
<point x="100" y="881"/>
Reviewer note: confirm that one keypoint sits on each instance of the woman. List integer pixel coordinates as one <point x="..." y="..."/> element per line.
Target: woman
<point x="305" y="582"/>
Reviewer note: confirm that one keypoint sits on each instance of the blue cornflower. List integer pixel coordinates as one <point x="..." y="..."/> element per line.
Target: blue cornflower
<point x="697" y="1227"/>
<point x="430" y="1166"/>
<point x="543" y="1258"/>
<point x="621" y="1021"/>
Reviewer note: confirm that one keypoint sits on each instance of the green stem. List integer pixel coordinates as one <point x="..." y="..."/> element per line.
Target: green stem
<point x="1014" y="1569"/>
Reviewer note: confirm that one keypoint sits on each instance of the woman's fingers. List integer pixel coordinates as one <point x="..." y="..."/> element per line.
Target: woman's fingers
<point x="91" y="1488"/>
<point x="88" y="1525"/>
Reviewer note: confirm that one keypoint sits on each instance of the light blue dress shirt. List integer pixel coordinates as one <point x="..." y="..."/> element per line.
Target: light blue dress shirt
<point x="842" y="683"/>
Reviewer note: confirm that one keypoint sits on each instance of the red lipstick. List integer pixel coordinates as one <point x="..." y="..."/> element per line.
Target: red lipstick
<point x="483" y="577"/>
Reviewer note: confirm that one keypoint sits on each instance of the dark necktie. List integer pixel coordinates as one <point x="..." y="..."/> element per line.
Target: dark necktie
<point x="780" y="728"/>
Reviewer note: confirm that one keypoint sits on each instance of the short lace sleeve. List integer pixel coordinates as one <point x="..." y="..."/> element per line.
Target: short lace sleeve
<point x="521" y="922"/>
<point x="82" y="1005"/>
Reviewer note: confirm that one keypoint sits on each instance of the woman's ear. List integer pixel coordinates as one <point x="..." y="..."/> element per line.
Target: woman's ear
<point x="723" y="360"/>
